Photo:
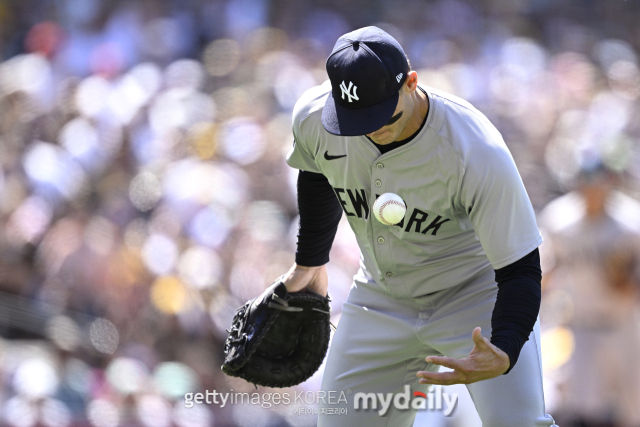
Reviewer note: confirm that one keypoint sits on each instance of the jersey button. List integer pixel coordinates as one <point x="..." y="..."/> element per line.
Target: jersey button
<point x="378" y="183"/>
<point x="379" y="165"/>
<point x="389" y="274"/>
<point x="380" y="240"/>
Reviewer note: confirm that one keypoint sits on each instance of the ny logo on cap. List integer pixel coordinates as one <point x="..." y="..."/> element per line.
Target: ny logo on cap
<point x="347" y="91"/>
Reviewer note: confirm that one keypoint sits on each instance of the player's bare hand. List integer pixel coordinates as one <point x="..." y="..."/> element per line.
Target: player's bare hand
<point x="485" y="361"/>
<point x="313" y="278"/>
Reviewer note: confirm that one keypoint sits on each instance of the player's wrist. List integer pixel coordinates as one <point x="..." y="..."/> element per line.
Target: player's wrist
<point x="308" y="267"/>
<point x="300" y="277"/>
<point x="505" y="353"/>
<point x="505" y="361"/>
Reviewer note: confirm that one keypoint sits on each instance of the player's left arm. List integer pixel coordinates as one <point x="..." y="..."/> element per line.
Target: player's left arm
<point x="512" y="320"/>
<point x="499" y="209"/>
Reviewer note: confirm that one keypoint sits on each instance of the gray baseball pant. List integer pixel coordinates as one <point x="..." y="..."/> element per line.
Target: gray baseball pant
<point x="382" y="342"/>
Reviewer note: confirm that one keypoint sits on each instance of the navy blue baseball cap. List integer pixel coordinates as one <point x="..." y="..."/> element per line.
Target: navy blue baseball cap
<point x="367" y="69"/>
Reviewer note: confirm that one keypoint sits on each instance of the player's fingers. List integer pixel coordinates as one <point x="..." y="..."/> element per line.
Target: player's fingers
<point x="478" y="339"/>
<point x="440" y="378"/>
<point x="447" y="362"/>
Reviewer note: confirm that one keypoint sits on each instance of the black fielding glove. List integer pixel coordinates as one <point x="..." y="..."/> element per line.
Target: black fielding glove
<point x="278" y="339"/>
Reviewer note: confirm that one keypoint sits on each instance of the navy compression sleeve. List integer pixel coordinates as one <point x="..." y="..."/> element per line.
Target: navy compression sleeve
<point x="517" y="305"/>
<point x="320" y="213"/>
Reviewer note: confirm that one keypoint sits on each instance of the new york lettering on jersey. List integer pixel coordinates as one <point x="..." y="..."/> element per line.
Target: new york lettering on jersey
<point x="357" y="205"/>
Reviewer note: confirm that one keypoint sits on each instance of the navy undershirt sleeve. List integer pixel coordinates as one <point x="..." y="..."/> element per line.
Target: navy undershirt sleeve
<point x="320" y="213"/>
<point x="517" y="305"/>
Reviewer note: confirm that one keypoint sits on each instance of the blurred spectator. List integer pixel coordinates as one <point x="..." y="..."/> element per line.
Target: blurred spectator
<point x="593" y="258"/>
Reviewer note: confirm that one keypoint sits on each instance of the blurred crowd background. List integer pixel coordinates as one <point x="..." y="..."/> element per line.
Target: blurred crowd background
<point x="144" y="194"/>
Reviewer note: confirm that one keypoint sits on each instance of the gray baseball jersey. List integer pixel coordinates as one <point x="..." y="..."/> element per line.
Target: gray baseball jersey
<point x="466" y="203"/>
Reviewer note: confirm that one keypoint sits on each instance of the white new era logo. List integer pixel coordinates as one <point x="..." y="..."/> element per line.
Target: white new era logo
<point x="399" y="77"/>
<point x="347" y="91"/>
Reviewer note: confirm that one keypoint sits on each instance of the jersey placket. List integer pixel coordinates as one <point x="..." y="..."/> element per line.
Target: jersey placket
<point x="381" y="235"/>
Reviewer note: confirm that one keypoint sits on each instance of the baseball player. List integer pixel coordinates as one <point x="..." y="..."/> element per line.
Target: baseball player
<point x="462" y="266"/>
<point x="593" y="252"/>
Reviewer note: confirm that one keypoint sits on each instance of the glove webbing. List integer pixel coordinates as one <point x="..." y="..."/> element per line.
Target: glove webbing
<point x="281" y="304"/>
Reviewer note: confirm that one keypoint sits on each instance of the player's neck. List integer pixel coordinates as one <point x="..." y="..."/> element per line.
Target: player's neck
<point x="420" y="110"/>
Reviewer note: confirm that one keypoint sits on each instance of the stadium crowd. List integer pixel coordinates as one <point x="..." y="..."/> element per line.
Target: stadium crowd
<point x="144" y="194"/>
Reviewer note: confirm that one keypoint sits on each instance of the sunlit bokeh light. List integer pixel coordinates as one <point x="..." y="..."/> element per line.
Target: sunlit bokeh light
<point x="148" y="76"/>
<point x="221" y="57"/>
<point x="53" y="170"/>
<point x="127" y="375"/>
<point x="246" y="279"/>
<point x="266" y="221"/>
<point x="168" y="294"/>
<point x="200" y="267"/>
<point x="35" y="378"/>
<point x="203" y="139"/>
<point x="189" y="181"/>
<point x="159" y="254"/>
<point x="145" y="191"/>
<point x="187" y="73"/>
<point x="180" y="107"/>
<point x="610" y="51"/>
<point x="29" y="73"/>
<point x="54" y="413"/>
<point x="100" y="235"/>
<point x="162" y="37"/>
<point x="613" y="114"/>
<point x="211" y="226"/>
<point x="624" y="77"/>
<point x="193" y="182"/>
<point x="154" y="411"/>
<point x="507" y="83"/>
<point x="29" y="221"/>
<point x="250" y="133"/>
<point x="231" y="102"/>
<point x="104" y="336"/>
<point x="290" y="83"/>
<point x="557" y="347"/>
<point x="64" y="332"/>
<point x="103" y="413"/>
<point x="19" y="412"/>
<point x="80" y="138"/>
<point x="196" y="416"/>
<point x="126" y="98"/>
<point x="165" y="222"/>
<point x="174" y="379"/>
<point x="265" y="40"/>
<point x="77" y="375"/>
<point x="526" y="54"/>
<point x="136" y="233"/>
<point x="92" y="95"/>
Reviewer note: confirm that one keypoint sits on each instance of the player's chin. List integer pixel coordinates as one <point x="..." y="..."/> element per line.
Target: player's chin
<point x="382" y="138"/>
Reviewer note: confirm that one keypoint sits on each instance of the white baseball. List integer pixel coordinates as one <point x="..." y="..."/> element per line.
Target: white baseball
<point x="389" y="208"/>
